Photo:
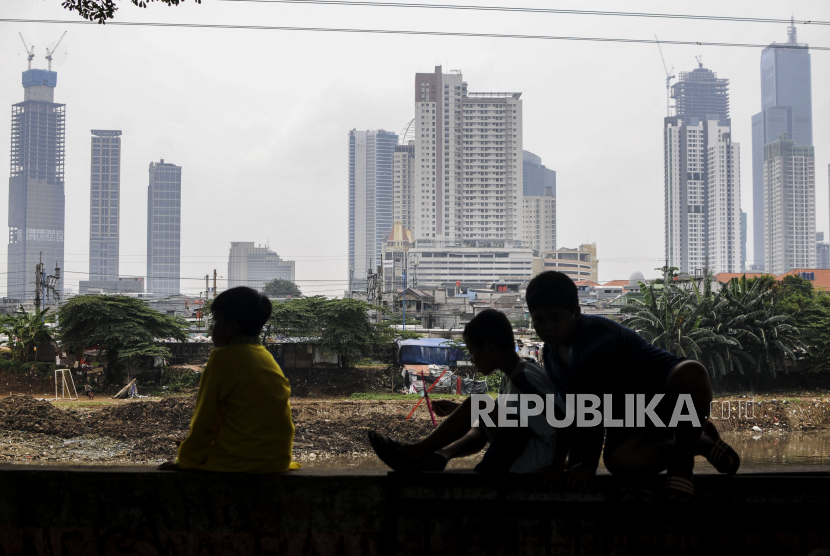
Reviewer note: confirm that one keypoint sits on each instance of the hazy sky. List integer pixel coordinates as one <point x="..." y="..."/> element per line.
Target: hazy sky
<point x="259" y="119"/>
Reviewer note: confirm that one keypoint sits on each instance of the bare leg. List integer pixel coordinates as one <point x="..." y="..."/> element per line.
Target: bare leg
<point x="689" y="377"/>
<point x="454" y="427"/>
<point x="468" y="445"/>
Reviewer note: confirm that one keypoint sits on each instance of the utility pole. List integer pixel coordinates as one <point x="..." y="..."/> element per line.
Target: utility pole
<point x="207" y="287"/>
<point x="39" y="281"/>
<point x="214" y="283"/>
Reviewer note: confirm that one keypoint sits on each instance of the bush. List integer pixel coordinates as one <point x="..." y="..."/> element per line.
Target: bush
<point x="177" y="380"/>
<point x="25" y="366"/>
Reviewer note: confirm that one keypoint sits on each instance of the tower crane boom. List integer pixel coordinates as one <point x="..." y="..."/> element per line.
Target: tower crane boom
<point x="669" y="77"/>
<point x="30" y="53"/>
<point x="52" y="51"/>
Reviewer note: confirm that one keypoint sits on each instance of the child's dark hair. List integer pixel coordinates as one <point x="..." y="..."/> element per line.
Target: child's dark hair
<point x="490" y="327"/>
<point x="249" y="308"/>
<point x="550" y="290"/>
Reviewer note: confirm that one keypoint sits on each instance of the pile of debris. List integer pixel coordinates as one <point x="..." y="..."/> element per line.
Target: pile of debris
<point x="170" y="417"/>
<point x="25" y="413"/>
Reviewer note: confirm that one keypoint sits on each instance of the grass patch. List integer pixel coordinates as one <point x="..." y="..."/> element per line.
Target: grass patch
<point x="83" y="404"/>
<point x="387" y="396"/>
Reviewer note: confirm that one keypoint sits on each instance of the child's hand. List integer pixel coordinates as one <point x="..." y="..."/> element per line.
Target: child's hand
<point x="168" y="466"/>
<point x="442" y="408"/>
<point x="179" y="441"/>
<point x="579" y="475"/>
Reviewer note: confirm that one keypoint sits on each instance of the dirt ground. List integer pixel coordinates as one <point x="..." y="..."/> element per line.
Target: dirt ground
<point x="327" y="425"/>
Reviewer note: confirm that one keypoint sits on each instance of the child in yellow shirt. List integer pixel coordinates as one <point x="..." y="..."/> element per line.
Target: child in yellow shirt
<point x="242" y="419"/>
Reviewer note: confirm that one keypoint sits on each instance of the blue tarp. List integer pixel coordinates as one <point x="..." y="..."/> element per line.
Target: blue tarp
<point x="429" y="351"/>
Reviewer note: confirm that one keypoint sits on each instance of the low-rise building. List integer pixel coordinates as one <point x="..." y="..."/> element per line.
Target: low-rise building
<point x="580" y="263"/>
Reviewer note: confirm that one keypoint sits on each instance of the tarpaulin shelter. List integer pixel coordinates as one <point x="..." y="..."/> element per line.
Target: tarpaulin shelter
<point x="429" y="351"/>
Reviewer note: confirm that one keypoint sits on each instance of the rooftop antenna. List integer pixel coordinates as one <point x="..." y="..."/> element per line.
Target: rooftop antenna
<point x="50" y="52"/>
<point x="699" y="61"/>
<point x="30" y="52"/>
<point x="669" y="77"/>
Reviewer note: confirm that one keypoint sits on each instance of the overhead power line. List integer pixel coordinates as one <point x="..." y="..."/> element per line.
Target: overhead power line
<point x="403" y="32"/>
<point x="537" y="11"/>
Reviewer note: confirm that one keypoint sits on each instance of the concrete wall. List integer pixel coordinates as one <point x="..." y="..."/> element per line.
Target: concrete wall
<point x="137" y="510"/>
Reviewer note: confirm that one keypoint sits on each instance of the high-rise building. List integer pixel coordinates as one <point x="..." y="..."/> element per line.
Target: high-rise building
<point x="36" y="183"/>
<point x="702" y="177"/>
<point x="822" y="251"/>
<point x="404" y="177"/>
<point x="535" y="176"/>
<point x="789" y="206"/>
<point x="786" y="107"/>
<point x="744" y="230"/>
<point x="164" y="227"/>
<point x="371" y="161"/>
<point x="254" y="267"/>
<point x="104" y="202"/>
<point x="468" y="164"/>
<point x="540" y="221"/>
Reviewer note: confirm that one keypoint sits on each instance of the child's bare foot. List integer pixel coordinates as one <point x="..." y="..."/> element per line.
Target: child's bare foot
<point x="394" y="454"/>
<point x="717" y="452"/>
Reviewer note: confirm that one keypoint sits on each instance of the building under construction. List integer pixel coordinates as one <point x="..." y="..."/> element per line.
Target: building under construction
<point x="36" y="183"/>
<point x="700" y="93"/>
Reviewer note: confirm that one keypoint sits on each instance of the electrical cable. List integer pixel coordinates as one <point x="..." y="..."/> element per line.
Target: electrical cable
<point x="536" y="11"/>
<point x="406" y="32"/>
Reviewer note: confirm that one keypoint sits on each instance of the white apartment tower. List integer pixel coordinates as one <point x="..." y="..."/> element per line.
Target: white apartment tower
<point x="403" y="177"/>
<point x="540" y="221"/>
<point x="468" y="164"/>
<point x="703" y="195"/>
<point x="789" y="206"/>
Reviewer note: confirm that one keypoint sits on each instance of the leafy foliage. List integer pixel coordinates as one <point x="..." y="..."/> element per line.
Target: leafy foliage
<point x="124" y="326"/>
<point x="342" y="325"/>
<point x="102" y="10"/>
<point x="282" y="288"/>
<point x="25" y="331"/>
<point x="738" y="331"/>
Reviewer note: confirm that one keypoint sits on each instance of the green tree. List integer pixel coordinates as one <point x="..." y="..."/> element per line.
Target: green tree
<point x="102" y="10"/>
<point x="25" y="331"/>
<point x="282" y="288"/>
<point x="124" y="326"/>
<point x="342" y="326"/>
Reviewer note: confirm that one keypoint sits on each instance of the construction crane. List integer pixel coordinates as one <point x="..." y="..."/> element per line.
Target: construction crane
<point x="699" y="61"/>
<point x="669" y="77"/>
<point x="50" y="52"/>
<point x="30" y="53"/>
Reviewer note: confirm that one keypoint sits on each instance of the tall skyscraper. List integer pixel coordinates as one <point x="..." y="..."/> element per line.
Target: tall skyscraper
<point x="404" y="178"/>
<point x="702" y="177"/>
<point x="104" y="215"/>
<point x="254" y="267"/>
<point x="789" y="206"/>
<point x="535" y="176"/>
<point x="744" y="235"/>
<point x="540" y="221"/>
<point x="36" y="183"/>
<point x="786" y="107"/>
<point x="371" y="161"/>
<point x="468" y="163"/>
<point x="164" y="226"/>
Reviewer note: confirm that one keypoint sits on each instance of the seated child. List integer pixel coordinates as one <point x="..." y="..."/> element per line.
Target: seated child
<point x="595" y="355"/>
<point x="489" y="339"/>
<point x="242" y="419"/>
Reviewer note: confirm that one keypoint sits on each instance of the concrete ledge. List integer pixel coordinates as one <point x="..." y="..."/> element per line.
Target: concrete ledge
<point x="137" y="510"/>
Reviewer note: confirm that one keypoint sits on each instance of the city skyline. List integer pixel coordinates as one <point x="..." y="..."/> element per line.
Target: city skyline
<point x="264" y="158"/>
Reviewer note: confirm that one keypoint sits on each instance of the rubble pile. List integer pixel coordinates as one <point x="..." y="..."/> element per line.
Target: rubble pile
<point x="170" y="417"/>
<point x="24" y="413"/>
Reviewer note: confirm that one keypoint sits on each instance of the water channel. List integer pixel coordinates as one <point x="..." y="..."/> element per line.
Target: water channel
<point x="776" y="452"/>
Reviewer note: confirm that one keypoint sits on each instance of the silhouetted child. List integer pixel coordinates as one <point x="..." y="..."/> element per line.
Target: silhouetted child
<point x="595" y="355"/>
<point x="489" y="339"/>
<point x="242" y="419"/>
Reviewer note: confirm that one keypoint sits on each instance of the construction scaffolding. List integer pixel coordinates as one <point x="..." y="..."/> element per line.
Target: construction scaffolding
<point x="700" y="93"/>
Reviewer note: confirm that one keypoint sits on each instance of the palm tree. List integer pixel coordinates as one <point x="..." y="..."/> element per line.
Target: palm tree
<point x="25" y="330"/>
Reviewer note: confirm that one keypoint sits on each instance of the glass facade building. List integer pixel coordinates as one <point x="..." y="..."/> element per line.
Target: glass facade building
<point x="164" y="222"/>
<point x="105" y="190"/>
<point x="371" y="161"/>
<point x="786" y="107"/>
<point x="36" y="184"/>
<point x="535" y="176"/>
